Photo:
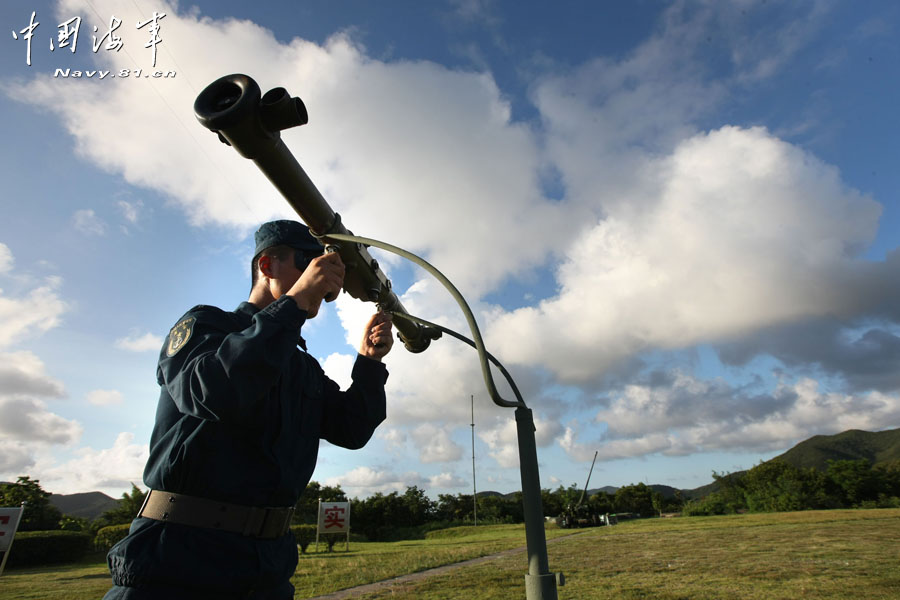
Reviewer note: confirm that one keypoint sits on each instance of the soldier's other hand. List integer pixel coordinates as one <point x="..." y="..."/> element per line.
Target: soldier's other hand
<point x="378" y="336"/>
<point x="324" y="276"/>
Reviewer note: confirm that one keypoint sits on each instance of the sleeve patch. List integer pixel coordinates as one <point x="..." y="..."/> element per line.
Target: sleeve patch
<point x="179" y="335"/>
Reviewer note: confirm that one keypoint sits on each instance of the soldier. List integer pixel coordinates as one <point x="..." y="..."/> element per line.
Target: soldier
<point x="240" y="416"/>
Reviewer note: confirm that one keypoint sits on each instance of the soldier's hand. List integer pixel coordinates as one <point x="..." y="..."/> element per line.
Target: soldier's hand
<point x="377" y="337"/>
<point x="324" y="276"/>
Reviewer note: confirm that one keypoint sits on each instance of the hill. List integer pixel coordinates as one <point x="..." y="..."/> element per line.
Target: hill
<point x="875" y="447"/>
<point x="89" y="505"/>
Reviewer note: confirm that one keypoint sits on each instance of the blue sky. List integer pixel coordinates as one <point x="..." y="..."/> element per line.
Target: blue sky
<point x="676" y="222"/>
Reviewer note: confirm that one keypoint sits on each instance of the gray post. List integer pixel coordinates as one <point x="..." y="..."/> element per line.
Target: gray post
<point x="540" y="583"/>
<point x="474" y="493"/>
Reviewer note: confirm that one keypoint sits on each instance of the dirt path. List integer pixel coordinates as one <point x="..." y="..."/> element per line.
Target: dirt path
<point x="388" y="584"/>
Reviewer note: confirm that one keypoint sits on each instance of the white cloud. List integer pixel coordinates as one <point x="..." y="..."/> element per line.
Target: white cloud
<point x="23" y="373"/>
<point x="109" y="470"/>
<point x="130" y="210"/>
<point x="28" y="419"/>
<point x="434" y="444"/>
<point x="6" y="259"/>
<point x="394" y="438"/>
<point x="212" y="183"/>
<point x="36" y="312"/>
<point x="445" y="481"/>
<point x="87" y="222"/>
<point x="503" y="439"/>
<point x="16" y="457"/>
<point x="744" y="231"/>
<point x="140" y="343"/>
<point x="664" y="237"/>
<point x="339" y="368"/>
<point x="685" y="415"/>
<point x="105" y="397"/>
<point x="27" y="422"/>
<point x="365" y="481"/>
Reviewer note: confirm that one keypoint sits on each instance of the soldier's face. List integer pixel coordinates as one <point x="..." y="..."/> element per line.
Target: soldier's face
<point x="285" y="273"/>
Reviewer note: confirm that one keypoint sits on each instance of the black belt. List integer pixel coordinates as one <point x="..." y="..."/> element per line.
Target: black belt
<point x="251" y="521"/>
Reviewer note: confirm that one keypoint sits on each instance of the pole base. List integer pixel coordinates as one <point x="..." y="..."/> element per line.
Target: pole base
<point x="543" y="587"/>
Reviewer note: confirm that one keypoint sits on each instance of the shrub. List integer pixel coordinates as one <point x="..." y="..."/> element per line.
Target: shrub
<point x="305" y="535"/>
<point x="108" y="536"/>
<point x="34" y="548"/>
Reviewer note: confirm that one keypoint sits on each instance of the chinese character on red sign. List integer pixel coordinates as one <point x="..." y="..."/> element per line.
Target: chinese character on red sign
<point x="334" y="517"/>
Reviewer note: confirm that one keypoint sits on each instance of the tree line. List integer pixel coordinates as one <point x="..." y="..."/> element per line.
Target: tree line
<point x="771" y="486"/>
<point x="777" y="486"/>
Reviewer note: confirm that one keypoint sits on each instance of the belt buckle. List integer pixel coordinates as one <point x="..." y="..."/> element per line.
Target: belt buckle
<point x="278" y="522"/>
<point x="269" y="522"/>
<point x="256" y="520"/>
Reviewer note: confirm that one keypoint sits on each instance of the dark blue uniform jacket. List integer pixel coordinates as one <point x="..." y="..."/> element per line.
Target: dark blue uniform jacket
<point x="241" y="412"/>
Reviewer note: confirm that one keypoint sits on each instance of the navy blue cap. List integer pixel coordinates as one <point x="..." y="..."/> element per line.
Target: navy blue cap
<point x="285" y="233"/>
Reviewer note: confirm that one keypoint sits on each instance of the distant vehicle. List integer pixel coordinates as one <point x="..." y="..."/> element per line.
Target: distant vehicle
<point x="580" y="515"/>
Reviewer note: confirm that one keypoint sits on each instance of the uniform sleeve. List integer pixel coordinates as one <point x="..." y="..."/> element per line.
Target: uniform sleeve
<point x="349" y="418"/>
<point x="219" y="374"/>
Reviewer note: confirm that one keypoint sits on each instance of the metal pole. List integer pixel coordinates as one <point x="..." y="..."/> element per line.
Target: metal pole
<point x="540" y="583"/>
<point x="474" y="493"/>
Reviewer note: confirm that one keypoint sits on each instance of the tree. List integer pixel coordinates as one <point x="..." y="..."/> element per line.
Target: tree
<point x="601" y="503"/>
<point x="39" y="514"/>
<point x="635" y="499"/>
<point x="855" y="479"/>
<point x="378" y="514"/>
<point x="775" y="486"/>
<point x="307" y="508"/>
<point x="126" y="510"/>
<point x="552" y="502"/>
<point x="420" y="509"/>
<point x="730" y="497"/>
<point x="454" y="508"/>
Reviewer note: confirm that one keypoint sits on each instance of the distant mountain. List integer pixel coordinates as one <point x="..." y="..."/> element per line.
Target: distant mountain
<point x="89" y="505"/>
<point x="875" y="447"/>
<point x="709" y="488"/>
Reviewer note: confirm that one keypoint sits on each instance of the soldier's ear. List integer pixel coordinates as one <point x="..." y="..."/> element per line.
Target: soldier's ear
<point x="265" y="265"/>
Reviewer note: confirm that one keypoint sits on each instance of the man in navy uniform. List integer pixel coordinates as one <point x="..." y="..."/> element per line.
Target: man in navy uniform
<point x="240" y="416"/>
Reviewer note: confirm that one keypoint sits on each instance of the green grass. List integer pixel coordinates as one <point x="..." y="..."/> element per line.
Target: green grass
<point x="819" y="555"/>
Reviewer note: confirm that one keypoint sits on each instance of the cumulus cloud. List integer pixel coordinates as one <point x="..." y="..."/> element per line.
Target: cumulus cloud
<point x="679" y="414"/>
<point x="24" y="374"/>
<point x="28" y="419"/>
<point x="33" y="313"/>
<point x="109" y="470"/>
<point x="16" y="458"/>
<point x="446" y="481"/>
<point x="433" y="163"/>
<point x="394" y="438"/>
<point x="339" y="367"/>
<point x="745" y="231"/>
<point x="665" y="233"/>
<point x="136" y="342"/>
<point x="105" y="397"/>
<point x="864" y="355"/>
<point x="365" y="481"/>
<point x="28" y="423"/>
<point x="435" y="444"/>
<point x="503" y="440"/>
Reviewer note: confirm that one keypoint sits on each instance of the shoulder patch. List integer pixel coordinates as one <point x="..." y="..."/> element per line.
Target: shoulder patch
<point x="179" y="335"/>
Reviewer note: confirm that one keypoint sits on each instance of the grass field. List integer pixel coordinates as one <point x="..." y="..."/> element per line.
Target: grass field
<point x="805" y="555"/>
